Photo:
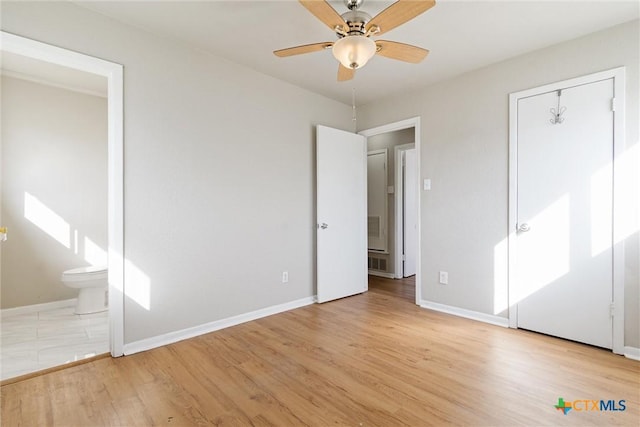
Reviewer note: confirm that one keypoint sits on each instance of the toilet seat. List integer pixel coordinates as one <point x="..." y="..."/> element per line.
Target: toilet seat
<point x="85" y="273"/>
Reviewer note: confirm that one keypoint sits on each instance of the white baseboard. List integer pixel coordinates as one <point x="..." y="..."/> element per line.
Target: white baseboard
<point x="469" y="314"/>
<point x="632" y="353"/>
<point x="171" y="337"/>
<point x="27" y="309"/>
<point x="382" y="274"/>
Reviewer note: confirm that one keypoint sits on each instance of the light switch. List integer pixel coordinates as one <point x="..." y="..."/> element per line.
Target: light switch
<point x="427" y="184"/>
<point x="390" y="189"/>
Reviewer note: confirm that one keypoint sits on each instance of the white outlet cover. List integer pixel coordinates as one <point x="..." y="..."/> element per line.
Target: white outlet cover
<point x="444" y="278"/>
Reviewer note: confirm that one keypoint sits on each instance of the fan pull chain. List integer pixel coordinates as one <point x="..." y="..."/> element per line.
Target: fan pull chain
<point x="353" y="104"/>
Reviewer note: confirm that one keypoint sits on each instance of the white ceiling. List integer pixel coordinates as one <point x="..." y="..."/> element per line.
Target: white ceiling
<point x="461" y="35"/>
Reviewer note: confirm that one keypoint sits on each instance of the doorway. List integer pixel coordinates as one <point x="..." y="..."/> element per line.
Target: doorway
<point x="35" y="50"/>
<point x="394" y="256"/>
<point x="564" y="275"/>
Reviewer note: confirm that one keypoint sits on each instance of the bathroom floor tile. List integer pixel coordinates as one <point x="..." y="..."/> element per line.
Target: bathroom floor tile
<point x="31" y="342"/>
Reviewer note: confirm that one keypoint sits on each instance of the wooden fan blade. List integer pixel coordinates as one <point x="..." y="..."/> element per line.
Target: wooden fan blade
<point x="401" y="51"/>
<point x="345" y="73"/>
<point x="298" y="50"/>
<point x="399" y="13"/>
<point x="325" y="13"/>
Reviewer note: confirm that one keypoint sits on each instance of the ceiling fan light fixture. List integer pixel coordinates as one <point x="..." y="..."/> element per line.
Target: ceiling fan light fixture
<point x="354" y="51"/>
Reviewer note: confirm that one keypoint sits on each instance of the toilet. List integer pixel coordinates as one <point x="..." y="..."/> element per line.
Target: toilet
<point x="92" y="284"/>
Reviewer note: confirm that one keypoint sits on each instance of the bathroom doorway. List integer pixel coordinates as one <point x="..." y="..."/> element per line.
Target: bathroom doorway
<point x="65" y="229"/>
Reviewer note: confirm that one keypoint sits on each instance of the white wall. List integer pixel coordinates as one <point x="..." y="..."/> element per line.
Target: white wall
<point x="464" y="124"/>
<point x="219" y="173"/>
<point x="54" y="189"/>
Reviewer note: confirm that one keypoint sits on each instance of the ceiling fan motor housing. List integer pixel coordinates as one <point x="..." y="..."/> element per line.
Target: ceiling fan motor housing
<point x="356" y="20"/>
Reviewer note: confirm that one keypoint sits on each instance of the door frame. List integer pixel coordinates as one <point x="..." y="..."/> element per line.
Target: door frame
<point x="115" y="169"/>
<point x="398" y="152"/>
<point x="618" y="76"/>
<point x="414" y="123"/>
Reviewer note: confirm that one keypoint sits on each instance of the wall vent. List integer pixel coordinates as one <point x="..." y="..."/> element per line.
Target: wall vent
<point x="379" y="264"/>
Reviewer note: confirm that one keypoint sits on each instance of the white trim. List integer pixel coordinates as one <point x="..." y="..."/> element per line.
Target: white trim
<point x="172" y="337"/>
<point x="467" y="314"/>
<point x="115" y="110"/>
<point x="399" y="207"/>
<point x="34" y="308"/>
<point x="618" y="76"/>
<point x="619" y="146"/>
<point x="381" y="274"/>
<point x="632" y="353"/>
<point x="403" y="124"/>
<point x="414" y="123"/>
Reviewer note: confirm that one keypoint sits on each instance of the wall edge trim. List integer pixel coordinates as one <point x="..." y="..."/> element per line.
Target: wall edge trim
<point x="381" y="274"/>
<point x="632" y="353"/>
<point x="194" y="331"/>
<point x="468" y="314"/>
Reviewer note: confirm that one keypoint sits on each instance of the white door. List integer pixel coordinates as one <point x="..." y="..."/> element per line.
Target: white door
<point x="341" y="169"/>
<point x="564" y="212"/>
<point x="410" y="209"/>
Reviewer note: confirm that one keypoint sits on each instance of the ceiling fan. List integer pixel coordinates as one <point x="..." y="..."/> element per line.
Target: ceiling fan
<point x="355" y="28"/>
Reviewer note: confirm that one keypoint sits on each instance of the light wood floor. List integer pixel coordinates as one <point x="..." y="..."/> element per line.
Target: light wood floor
<point x="370" y="360"/>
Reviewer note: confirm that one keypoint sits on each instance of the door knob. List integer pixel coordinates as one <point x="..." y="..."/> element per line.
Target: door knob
<point x="324" y="225"/>
<point x="524" y="227"/>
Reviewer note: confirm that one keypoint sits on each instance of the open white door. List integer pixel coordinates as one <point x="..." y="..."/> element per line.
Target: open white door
<point x="341" y="213"/>
<point x="410" y="229"/>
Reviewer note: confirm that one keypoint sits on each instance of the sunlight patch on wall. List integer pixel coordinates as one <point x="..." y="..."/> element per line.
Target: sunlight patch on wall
<point x="47" y="220"/>
<point x="93" y="253"/>
<point x="548" y="246"/>
<point x="138" y="286"/>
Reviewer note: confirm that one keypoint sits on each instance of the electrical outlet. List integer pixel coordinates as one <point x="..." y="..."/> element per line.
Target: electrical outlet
<point x="285" y="277"/>
<point x="444" y="277"/>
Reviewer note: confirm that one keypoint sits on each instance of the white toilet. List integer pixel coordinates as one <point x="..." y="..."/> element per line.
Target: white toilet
<point x="93" y="285"/>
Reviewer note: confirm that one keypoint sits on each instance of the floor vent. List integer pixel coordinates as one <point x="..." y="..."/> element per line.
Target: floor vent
<point x="379" y="264"/>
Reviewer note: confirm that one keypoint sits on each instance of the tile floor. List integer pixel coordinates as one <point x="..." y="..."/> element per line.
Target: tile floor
<point x="31" y="342"/>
